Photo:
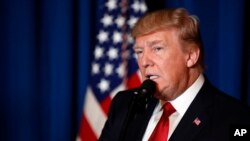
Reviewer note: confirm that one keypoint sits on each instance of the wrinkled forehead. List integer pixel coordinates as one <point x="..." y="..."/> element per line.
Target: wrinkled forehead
<point x="157" y="37"/>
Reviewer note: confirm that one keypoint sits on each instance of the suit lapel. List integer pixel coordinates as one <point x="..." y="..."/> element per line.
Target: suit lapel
<point x="195" y="118"/>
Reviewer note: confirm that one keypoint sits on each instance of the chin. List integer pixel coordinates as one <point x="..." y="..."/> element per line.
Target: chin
<point x="158" y="96"/>
<point x="162" y="95"/>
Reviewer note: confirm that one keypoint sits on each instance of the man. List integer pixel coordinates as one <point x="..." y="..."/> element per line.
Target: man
<point x="170" y="52"/>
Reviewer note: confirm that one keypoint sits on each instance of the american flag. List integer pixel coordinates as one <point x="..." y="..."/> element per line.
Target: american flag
<point x="114" y="66"/>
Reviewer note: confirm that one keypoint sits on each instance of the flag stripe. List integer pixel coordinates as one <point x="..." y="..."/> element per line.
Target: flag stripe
<point x="119" y="88"/>
<point x="105" y="104"/>
<point x="86" y="131"/>
<point x="94" y="113"/>
<point x="133" y="81"/>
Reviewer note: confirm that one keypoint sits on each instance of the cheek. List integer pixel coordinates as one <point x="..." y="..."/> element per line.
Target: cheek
<point x="139" y="64"/>
<point x="172" y="68"/>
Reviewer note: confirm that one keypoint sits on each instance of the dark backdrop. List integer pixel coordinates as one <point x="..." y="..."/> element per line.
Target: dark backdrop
<point x="45" y="48"/>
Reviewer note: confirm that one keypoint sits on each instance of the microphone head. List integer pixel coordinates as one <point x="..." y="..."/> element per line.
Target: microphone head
<point x="148" y="87"/>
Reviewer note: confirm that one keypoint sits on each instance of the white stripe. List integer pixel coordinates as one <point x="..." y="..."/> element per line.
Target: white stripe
<point x="94" y="113"/>
<point x="78" y="138"/>
<point x="121" y="87"/>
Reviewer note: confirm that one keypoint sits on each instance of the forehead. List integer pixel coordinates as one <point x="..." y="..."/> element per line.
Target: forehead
<point x="163" y="36"/>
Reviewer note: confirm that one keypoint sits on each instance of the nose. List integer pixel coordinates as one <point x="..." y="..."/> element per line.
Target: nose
<point x="146" y="60"/>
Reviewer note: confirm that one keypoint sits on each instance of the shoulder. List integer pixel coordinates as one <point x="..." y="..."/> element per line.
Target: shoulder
<point x="124" y="96"/>
<point x="224" y="105"/>
<point x="122" y="100"/>
<point x="233" y="108"/>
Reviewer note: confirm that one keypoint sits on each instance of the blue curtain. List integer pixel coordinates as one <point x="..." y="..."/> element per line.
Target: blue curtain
<point x="44" y="65"/>
<point x="45" y="48"/>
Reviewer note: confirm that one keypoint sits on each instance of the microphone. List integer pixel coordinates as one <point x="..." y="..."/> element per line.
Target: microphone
<point x="146" y="90"/>
<point x="138" y="104"/>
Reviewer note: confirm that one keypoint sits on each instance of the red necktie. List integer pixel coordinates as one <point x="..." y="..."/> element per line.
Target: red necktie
<point x="160" y="132"/>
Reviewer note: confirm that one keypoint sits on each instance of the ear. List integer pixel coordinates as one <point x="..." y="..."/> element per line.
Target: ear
<point x="192" y="56"/>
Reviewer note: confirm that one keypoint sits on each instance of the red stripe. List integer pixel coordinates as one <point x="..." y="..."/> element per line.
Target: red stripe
<point x="105" y="104"/>
<point x="133" y="81"/>
<point x="86" y="133"/>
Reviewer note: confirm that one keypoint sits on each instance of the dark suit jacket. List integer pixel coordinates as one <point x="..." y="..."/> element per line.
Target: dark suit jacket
<point x="216" y="111"/>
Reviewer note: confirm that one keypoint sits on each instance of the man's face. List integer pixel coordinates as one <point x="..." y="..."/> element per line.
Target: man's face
<point x="161" y="59"/>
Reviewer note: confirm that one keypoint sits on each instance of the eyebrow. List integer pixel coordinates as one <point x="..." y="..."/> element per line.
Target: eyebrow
<point x="150" y="43"/>
<point x="154" y="42"/>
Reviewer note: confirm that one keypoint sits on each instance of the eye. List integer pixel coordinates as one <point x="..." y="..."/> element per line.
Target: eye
<point x="138" y="51"/>
<point x="157" y="49"/>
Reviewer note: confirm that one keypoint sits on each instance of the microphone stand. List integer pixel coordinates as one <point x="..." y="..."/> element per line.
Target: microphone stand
<point x="139" y="101"/>
<point x="130" y="115"/>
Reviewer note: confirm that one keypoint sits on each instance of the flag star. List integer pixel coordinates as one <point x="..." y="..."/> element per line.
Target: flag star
<point x="120" y="21"/>
<point x="103" y="85"/>
<point x="98" y="52"/>
<point x="107" y="20"/>
<point x="143" y="7"/>
<point x="95" y="68"/>
<point x="136" y="6"/>
<point x="112" y="53"/>
<point x="132" y="20"/>
<point x="130" y="39"/>
<point x="102" y="36"/>
<point x="111" y="5"/>
<point x="117" y="37"/>
<point x="108" y="69"/>
<point x="120" y="71"/>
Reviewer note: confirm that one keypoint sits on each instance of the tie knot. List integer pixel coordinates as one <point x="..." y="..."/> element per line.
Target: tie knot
<point x="168" y="109"/>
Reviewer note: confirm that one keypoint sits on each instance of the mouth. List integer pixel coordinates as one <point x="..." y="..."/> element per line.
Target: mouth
<point x="152" y="77"/>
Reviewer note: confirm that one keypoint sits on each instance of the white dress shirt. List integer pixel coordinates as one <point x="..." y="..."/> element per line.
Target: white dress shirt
<point x="181" y="104"/>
